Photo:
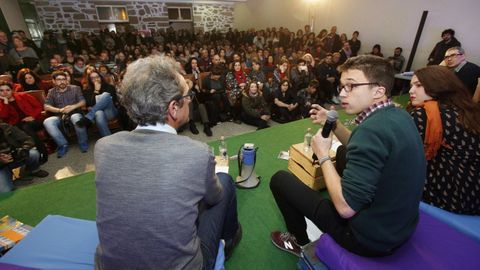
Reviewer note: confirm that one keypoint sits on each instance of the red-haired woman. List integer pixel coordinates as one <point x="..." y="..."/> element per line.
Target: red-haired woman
<point x="449" y="123"/>
<point x="23" y="111"/>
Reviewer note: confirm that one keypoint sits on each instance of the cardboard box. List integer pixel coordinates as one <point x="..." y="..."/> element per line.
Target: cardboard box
<point x="300" y="164"/>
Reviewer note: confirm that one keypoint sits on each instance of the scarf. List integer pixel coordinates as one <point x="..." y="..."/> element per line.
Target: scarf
<point x="239" y="77"/>
<point x="434" y="130"/>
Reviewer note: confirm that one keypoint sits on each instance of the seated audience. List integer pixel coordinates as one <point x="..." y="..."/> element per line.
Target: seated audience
<point x="397" y="60"/>
<point x="308" y="96"/>
<point x="372" y="207"/>
<point x="467" y="72"/>
<point x="345" y="53"/>
<point x="255" y="111"/>
<point x="259" y="76"/>
<point x="236" y="82"/>
<point x="377" y="50"/>
<point x="23" y="56"/>
<point x="78" y="67"/>
<point x="25" y="112"/>
<point x="285" y="106"/>
<point x="448" y="41"/>
<point x="280" y="73"/>
<point x="65" y="101"/>
<point x="449" y="124"/>
<point x="16" y="150"/>
<point x="189" y="210"/>
<point x="29" y="80"/>
<point x="355" y="43"/>
<point x="328" y="77"/>
<point x="300" y="76"/>
<point x="198" y="101"/>
<point x="100" y="98"/>
<point x="216" y="100"/>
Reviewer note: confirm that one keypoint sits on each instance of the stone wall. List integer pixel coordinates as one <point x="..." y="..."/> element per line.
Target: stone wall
<point x="82" y="15"/>
<point x="208" y="17"/>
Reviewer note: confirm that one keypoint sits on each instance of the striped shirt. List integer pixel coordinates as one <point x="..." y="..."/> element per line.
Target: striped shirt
<point x="363" y="115"/>
<point x="58" y="99"/>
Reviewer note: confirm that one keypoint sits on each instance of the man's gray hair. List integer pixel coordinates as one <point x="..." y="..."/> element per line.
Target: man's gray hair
<point x="148" y="87"/>
<point x="458" y="48"/>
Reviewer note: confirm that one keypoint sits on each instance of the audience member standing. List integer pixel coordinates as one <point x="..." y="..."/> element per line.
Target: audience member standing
<point x="438" y="52"/>
<point x="355" y="43"/>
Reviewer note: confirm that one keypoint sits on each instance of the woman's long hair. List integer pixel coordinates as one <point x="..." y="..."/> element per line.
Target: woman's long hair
<point x="444" y="86"/>
<point x="21" y="79"/>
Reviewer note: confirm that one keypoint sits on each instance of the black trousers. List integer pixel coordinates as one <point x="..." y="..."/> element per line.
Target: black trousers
<point x="31" y="129"/>
<point x="254" y="121"/>
<point x="297" y="201"/>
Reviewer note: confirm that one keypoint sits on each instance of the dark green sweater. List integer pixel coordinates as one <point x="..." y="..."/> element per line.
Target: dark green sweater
<point x="383" y="179"/>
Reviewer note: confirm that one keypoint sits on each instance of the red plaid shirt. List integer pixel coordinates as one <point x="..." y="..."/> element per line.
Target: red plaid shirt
<point x="363" y="115"/>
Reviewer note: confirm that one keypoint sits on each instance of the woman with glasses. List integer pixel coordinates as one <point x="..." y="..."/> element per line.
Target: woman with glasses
<point x="285" y="106"/>
<point x="25" y="112"/>
<point x="101" y="99"/>
<point x="449" y="124"/>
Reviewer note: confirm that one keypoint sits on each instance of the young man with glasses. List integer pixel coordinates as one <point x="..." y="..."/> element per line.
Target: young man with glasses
<point x="467" y="72"/>
<point x="162" y="206"/>
<point x="373" y="204"/>
<point x="63" y="101"/>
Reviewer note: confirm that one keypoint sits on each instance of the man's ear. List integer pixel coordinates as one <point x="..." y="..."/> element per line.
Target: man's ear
<point x="172" y="109"/>
<point x="380" y="92"/>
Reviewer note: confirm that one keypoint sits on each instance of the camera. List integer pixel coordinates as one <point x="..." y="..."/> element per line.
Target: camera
<point x="18" y="154"/>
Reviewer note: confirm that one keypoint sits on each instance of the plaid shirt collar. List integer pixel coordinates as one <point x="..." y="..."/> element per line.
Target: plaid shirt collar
<point x="363" y="115"/>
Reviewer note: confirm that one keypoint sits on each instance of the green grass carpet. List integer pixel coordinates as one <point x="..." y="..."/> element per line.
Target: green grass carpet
<point x="258" y="213"/>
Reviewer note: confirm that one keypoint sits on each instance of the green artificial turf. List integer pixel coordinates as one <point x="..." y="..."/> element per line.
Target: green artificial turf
<point x="258" y="213"/>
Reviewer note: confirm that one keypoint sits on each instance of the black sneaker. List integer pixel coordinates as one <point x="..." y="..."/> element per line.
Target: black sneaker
<point x="193" y="128"/>
<point x="286" y="242"/>
<point x="84" y="122"/>
<point x="207" y="130"/>
<point x="230" y="244"/>
<point x="39" y="173"/>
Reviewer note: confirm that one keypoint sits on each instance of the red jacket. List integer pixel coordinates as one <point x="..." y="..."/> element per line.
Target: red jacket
<point x="27" y="103"/>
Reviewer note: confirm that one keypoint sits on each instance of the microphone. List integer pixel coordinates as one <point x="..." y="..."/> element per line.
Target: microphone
<point x="332" y="117"/>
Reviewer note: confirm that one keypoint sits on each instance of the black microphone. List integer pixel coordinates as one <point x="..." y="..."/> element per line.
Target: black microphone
<point x="332" y="117"/>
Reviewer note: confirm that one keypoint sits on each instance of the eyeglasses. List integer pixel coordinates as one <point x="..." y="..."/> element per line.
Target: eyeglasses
<point x="60" y="79"/>
<point x="188" y="96"/>
<point x="452" y="55"/>
<point x="349" y="86"/>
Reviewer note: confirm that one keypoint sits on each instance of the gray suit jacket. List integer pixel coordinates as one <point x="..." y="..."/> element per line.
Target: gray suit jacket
<point x="149" y="186"/>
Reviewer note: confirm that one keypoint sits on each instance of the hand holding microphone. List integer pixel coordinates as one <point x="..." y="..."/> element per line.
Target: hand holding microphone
<point x="322" y="141"/>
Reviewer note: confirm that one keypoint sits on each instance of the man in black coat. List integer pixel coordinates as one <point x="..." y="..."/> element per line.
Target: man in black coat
<point x="438" y="52"/>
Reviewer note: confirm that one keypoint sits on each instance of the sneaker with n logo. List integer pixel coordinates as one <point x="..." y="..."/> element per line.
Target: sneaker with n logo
<point x="286" y="242"/>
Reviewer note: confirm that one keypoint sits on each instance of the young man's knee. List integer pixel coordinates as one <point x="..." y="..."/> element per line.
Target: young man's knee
<point x="279" y="179"/>
<point x="227" y="182"/>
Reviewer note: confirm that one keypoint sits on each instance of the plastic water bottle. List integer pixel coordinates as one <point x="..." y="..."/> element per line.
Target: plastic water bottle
<point x="307" y="142"/>
<point x="222" y="149"/>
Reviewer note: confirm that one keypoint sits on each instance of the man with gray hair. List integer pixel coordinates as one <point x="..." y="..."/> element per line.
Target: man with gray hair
<point x="160" y="204"/>
<point x="467" y="72"/>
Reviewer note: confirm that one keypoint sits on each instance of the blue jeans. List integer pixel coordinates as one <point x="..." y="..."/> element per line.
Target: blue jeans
<point x="218" y="222"/>
<point x="52" y="125"/>
<point x="32" y="163"/>
<point x="102" y="111"/>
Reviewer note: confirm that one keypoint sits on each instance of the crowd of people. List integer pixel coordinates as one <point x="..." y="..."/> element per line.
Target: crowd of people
<point x="254" y="77"/>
